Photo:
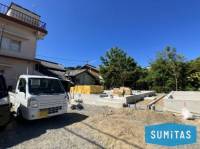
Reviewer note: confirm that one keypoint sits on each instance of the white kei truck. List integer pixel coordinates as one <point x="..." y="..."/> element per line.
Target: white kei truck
<point x="4" y="103"/>
<point x="37" y="97"/>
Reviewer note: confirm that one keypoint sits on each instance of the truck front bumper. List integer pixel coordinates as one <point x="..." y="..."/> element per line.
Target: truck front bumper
<point x="35" y="113"/>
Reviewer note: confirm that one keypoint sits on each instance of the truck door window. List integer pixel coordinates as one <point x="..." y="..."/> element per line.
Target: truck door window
<point x="22" y="85"/>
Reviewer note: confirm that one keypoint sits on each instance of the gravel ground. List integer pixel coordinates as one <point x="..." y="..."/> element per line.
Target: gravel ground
<point x="91" y="128"/>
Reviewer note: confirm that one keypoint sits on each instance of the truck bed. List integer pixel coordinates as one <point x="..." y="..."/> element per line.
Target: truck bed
<point x="4" y="101"/>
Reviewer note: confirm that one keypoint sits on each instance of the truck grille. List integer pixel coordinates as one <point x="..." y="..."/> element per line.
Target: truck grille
<point x="54" y="110"/>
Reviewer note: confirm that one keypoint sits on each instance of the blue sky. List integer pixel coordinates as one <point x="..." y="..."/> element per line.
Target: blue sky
<point x="83" y="30"/>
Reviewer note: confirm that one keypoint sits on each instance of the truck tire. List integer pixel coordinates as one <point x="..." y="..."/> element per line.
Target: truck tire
<point x="19" y="115"/>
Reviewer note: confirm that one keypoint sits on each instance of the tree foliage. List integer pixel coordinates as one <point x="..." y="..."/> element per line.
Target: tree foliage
<point x="193" y="73"/>
<point x="117" y="68"/>
<point x="166" y="72"/>
<point x="169" y="71"/>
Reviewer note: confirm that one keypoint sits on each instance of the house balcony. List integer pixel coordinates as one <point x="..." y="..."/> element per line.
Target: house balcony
<point x="23" y="16"/>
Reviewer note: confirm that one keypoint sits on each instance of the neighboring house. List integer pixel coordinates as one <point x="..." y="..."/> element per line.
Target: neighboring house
<point x="20" y="29"/>
<point x="83" y="77"/>
<point x="53" y="69"/>
<point x="49" y="68"/>
<point x="92" y="69"/>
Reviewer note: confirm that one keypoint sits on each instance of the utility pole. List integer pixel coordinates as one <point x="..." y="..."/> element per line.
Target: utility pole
<point x="2" y="31"/>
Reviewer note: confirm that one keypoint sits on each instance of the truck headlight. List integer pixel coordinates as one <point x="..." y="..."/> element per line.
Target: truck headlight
<point x="33" y="103"/>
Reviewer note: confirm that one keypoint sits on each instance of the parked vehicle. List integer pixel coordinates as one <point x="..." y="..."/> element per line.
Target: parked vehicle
<point x="38" y="97"/>
<point x="4" y="103"/>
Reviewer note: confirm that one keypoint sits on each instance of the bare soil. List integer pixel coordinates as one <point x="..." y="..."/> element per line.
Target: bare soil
<point x="93" y="127"/>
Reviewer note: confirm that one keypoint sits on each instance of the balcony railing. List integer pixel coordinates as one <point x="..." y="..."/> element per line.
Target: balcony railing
<point x="8" y="11"/>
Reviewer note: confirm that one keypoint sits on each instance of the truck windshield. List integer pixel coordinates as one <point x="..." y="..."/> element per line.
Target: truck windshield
<point x="45" y="86"/>
<point x="3" y="90"/>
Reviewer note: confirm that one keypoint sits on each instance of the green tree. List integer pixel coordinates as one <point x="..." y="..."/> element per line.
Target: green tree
<point x="193" y="74"/>
<point x="166" y="72"/>
<point x="142" y="83"/>
<point x="117" y="68"/>
<point x="175" y="63"/>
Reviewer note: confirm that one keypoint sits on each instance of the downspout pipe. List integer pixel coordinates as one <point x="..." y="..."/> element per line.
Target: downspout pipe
<point x="2" y="31"/>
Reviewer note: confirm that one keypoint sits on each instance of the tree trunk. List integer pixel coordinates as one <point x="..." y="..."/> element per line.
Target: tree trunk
<point x="176" y="83"/>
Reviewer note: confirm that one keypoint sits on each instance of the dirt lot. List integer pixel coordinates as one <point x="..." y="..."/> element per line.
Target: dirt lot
<point x="93" y="127"/>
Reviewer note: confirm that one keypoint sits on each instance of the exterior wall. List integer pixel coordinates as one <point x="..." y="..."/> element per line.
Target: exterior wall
<point x="13" y="68"/>
<point x="18" y="62"/>
<point x="25" y="35"/>
<point x="84" y="79"/>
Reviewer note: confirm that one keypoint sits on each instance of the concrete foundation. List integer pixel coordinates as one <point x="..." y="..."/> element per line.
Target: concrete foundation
<point x="177" y="100"/>
<point x="112" y="101"/>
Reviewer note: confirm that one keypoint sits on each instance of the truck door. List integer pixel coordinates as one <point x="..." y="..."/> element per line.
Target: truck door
<point x="21" y="93"/>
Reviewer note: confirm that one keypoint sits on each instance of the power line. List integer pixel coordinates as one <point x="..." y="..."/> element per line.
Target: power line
<point x="68" y="60"/>
<point x="59" y="58"/>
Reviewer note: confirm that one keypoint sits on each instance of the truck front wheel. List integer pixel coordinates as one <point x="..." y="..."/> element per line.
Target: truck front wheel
<point x="19" y="116"/>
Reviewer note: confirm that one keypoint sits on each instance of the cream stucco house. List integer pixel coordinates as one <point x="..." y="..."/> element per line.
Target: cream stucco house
<point x="20" y="29"/>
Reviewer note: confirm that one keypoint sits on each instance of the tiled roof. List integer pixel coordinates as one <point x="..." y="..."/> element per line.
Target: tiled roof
<point x="72" y="73"/>
<point x="51" y="65"/>
<point x="90" y="67"/>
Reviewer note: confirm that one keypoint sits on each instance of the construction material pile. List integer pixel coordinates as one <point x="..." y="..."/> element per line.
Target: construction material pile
<point x="121" y="91"/>
<point x="86" y="89"/>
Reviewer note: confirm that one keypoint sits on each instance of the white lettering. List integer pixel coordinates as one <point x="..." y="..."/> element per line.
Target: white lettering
<point x="176" y="132"/>
<point x="153" y="136"/>
<point x="188" y="134"/>
<point x="171" y="134"/>
<point x="159" y="134"/>
<point x="166" y="135"/>
<point x="182" y="135"/>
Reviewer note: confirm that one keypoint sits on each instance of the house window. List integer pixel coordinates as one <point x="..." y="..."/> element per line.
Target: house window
<point x="10" y="44"/>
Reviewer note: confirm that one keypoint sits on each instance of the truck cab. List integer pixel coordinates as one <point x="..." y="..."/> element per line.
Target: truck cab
<point x="37" y="97"/>
<point x="4" y="103"/>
